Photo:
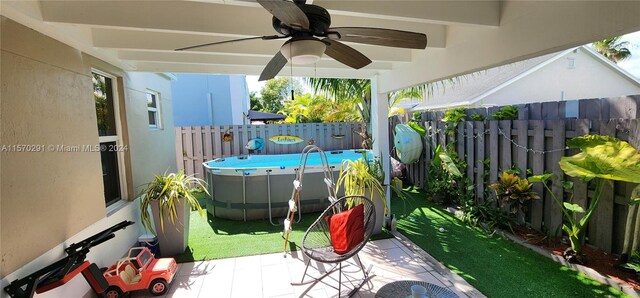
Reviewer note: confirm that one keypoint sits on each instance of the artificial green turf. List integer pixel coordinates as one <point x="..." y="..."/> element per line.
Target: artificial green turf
<point x="495" y="266"/>
<point x="216" y="238"/>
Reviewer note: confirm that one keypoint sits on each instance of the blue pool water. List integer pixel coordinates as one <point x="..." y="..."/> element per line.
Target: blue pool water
<point x="281" y="161"/>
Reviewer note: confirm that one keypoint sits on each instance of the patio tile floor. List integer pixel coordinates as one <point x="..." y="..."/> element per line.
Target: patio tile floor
<point x="270" y="275"/>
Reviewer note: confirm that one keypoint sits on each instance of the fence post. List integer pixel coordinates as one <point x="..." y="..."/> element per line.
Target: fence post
<point x="538" y="169"/>
<point x="480" y="162"/>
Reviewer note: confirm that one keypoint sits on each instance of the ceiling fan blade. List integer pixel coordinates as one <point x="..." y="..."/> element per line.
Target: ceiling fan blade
<point x="287" y="12"/>
<point x="346" y="54"/>
<point x="382" y="37"/>
<point x="269" y="37"/>
<point x="273" y="67"/>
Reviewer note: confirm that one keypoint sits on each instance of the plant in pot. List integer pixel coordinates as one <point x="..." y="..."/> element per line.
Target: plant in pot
<point x="601" y="160"/>
<point x="170" y="198"/>
<point x="362" y="177"/>
<point x="513" y="193"/>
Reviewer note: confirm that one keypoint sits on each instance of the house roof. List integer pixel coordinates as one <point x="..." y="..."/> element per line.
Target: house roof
<point x="262" y="116"/>
<point x="469" y="89"/>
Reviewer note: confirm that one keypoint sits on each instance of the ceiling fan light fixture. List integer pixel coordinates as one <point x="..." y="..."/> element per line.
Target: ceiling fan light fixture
<point x="303" y="51"/>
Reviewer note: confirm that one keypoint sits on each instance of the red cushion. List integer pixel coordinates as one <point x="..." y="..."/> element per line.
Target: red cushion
<point x="346" y="229"/>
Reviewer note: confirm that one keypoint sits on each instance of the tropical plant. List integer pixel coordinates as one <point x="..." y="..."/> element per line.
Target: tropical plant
<point x="360" y="178"/>
<point x="513" y="192"/>
<point x="254" y="102"/>
<point x="612" y="48"/>
<point x="477" y="117"/>
<point x="601" y="158"/>
<point x="484" y="215"/>
<point x="634" y="262"/>
<point x="452" y="117"/>
<point x="169" y="191"/>
<point x="445" y="183"/>
<point x="418" y="128"/>
<point x="506" y="113"/>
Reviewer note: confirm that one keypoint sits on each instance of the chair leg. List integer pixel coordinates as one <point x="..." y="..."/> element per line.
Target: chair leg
<point x="361" y="265"/>
<point x="305" y="270"/>
<point x="340" y="280"/>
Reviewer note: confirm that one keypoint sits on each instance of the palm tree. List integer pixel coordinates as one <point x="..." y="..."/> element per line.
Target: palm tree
<point x="360" y="91"/>
<point x="613" y="49"/>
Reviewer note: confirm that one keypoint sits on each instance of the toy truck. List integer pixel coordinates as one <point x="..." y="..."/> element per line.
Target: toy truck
<point x="139" y="270"/>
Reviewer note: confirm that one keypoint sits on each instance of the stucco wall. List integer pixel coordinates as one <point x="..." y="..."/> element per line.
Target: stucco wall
<point x="209" y="99"/>
<point x="589" y="78"/>
<point x="152" y="150"/>
<point x="46" y="99"/>
<point x="51" y="199"/>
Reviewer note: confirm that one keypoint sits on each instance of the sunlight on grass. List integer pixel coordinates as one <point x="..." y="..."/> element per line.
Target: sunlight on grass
<point x="495" y="266"/>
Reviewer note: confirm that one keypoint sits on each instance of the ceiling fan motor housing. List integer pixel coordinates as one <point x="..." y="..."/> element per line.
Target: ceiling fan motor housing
<point x="319" y="21"/>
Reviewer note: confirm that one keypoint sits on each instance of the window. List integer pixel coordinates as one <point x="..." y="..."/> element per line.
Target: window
<point x="108" y="132"/>
<point x="153" y="109"/>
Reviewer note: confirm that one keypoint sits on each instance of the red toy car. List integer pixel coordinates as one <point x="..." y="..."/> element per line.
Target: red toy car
<point x="140" y="270"/>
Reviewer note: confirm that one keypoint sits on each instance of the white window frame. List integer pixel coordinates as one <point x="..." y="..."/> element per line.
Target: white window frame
<point x="122" y="177"/>
<point x="157" y="110"/>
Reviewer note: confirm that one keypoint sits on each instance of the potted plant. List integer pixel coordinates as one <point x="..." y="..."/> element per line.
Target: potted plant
<point x="170" y="197"/>
<point x="364" y="178"/>
<point x="602" y="159"/>
<point x="513" y="194"/>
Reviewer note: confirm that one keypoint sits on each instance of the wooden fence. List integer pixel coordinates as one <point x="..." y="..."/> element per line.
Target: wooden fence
<point x="625" y="107"/>
<point x="488" y="147"/>
<point x="197" y="144"/>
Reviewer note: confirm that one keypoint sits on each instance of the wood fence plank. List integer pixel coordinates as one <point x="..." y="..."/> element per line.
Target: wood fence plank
<point x="179" y="148"/>
<point x="427" y="155"/>
<point x="244" y="131"/>
<point x="523" y="140"/>
<point x="216" y="139"/>
<point x="470" y="150"/>
<point x="208" y="145"/>
<point x="604" y="213"/>
<point x="188" y="147"/>
<point x="198" y="154"/>
<point x="505" y="149"/>
<point x="553" y="212"/>
<point x="537" y="167"/>
<point x="226" y="146"/>
<point x="480" y="162"/>
<point x="580" y="188"/>
<point x="235" y="129"/>
<point x="460" y="141"/>
<point x="493" y="154"/>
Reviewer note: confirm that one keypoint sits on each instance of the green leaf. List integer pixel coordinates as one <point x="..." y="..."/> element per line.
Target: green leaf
<point x="418" y="128"/>
<point x="449" y="165"/>
<point x="542" y="178"/>
<point x="602" y="157"/>
<point x="568" y="185"/>
<point x="573" y="207"/>
<point x="635" y="196"/>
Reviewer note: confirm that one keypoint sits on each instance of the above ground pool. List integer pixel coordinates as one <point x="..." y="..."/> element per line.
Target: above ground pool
<point x="260" y="186"/>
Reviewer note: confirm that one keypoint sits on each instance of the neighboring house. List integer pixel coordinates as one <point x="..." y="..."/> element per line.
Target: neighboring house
<point x="572" y="74"/>
<point x="200" y="100"/>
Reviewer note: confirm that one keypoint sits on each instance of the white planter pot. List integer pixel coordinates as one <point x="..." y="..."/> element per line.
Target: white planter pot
<point x="379" y="207"/>
<point x="175" y="238"/>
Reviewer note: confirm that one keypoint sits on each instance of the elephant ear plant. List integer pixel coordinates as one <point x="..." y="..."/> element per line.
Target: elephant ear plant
<point x="601" y="158"/>
<point x="169" y="190"/>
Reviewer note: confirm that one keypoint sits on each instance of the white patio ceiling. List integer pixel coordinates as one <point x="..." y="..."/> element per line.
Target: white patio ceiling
<point x="463" y="36"/>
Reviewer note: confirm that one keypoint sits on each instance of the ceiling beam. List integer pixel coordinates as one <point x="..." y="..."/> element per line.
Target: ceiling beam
<point x="479" y="13"/>
<point x="221" y="59"/>
<point x="252" y="70"/>
<point x="209" y="18"/>
<point x="168" y="41"/>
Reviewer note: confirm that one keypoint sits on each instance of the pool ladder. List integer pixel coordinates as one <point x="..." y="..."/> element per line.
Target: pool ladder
<point x="294" y="202"/>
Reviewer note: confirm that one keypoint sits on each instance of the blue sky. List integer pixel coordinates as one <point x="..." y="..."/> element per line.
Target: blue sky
<point x="632" y="65"/>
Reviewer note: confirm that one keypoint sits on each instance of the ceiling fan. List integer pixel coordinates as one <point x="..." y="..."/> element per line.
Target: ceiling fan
<point x="308" y="28"/>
